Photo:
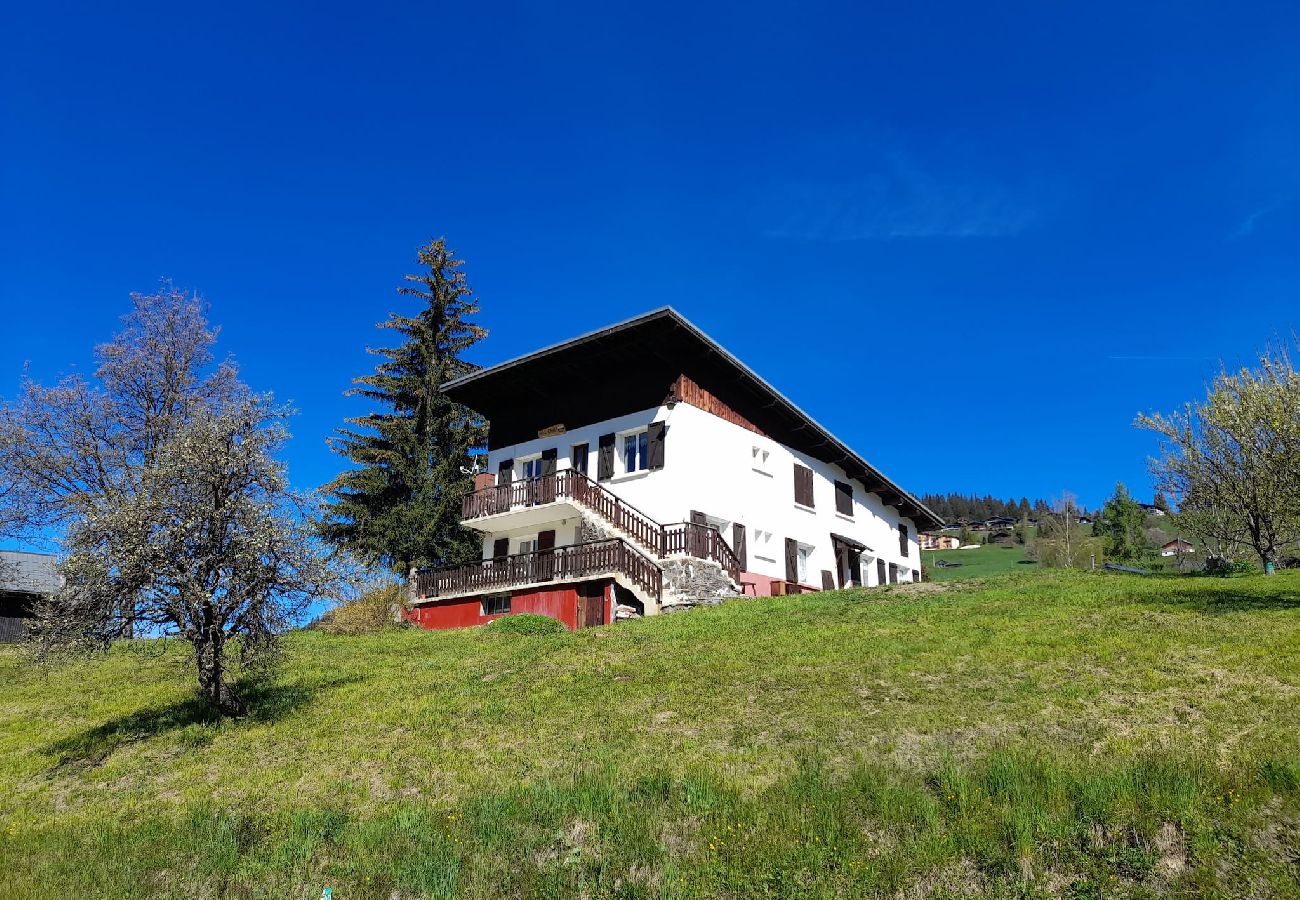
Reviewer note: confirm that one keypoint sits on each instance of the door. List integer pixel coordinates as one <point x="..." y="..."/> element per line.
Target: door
<point x="591" y="604"/>
<point x="546" y="482"/>
<point x="546" y="555"/>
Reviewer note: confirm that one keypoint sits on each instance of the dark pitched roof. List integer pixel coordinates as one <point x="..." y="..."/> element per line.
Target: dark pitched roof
<point x="28" y="573"/>
<point x="632" y="365"/>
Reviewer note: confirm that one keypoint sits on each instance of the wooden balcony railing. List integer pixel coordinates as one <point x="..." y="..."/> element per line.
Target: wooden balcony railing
<point x="693" y="539"/>
<point x="540" y="566"/>
<point x="703" y="542"/>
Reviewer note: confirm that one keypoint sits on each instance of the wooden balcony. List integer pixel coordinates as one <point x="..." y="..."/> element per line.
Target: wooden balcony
<point x="693" y="539"/>
<point x="561" y="564"/>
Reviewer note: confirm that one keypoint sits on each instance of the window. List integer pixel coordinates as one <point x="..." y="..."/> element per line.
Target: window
<point x="528" y="546"/>
<point x="759" y="459"/>
<point x="902" y="540"/>
<point x="803" y="485"/>
<point x="496" y="604"/>
<point x="844" y="499"/>
<point x="761" y="541"/>
<point x="530" y="468"/>
<point x="804" y="553"/>
<point x="636" y="452"/>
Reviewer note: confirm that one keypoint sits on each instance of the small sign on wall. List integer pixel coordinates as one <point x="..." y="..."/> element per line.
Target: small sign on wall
<point x="551" y="431"/>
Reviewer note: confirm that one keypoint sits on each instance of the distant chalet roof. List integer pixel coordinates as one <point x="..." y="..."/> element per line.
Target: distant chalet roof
<point x="633" y="365"/>
<point x="28" y="573"/>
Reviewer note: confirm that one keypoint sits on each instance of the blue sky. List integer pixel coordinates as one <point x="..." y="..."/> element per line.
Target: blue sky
<point x="973" y="240"/>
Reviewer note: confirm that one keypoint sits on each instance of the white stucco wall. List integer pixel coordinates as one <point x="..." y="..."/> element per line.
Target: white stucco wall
<point x="709" y="466"/>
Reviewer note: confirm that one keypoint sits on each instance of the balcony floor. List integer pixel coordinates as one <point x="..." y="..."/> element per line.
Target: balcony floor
<point x="525" y="517"/>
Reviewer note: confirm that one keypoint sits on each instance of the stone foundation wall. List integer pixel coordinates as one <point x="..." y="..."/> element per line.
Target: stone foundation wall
<point x="692" y="582"/>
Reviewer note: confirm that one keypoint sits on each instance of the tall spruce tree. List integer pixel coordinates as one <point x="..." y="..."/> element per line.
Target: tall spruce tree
<point x="400" y="506"/>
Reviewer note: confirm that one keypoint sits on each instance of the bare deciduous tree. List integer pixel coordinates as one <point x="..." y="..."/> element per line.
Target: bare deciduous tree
<point x="175" y="514"/>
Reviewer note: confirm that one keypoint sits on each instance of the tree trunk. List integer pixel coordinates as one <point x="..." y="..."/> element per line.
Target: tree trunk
<point x="209" y="651"/>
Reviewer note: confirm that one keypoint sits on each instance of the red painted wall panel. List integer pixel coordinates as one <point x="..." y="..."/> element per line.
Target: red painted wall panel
<point x="557" y="601"/>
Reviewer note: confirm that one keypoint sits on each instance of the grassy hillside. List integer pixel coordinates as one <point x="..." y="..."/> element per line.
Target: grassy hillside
<point x="1053" y="734"/>
<point x="981" y="562"/>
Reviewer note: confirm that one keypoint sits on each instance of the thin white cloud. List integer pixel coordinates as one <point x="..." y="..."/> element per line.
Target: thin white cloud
<point x="897" y="200"/>
<point x="1247" y="226"/>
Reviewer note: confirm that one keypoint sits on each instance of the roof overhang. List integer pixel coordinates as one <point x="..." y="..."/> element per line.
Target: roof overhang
<point x="632" y="365"/>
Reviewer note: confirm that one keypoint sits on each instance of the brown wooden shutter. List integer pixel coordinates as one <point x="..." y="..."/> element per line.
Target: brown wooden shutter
<point x="579" y="458"/>
<point x="605" y="457"/>
<point x="655" y="435"/>
<point x="738" y="545"/>
<point x="501" y="548"/>
<point x="803" y="485"/>
<point x="843" y="498"/>
<point x="698" y="518"/>
<point x="548" y="461"/>
<point x="505" y="471"/>
<point x="902" y="540"/>
<point x="855" y="566"/>
<point x="546" y="555"/>
<point x="792" y="560"/>
<point x="880" y="571"/>
<point x="893" y="573"/>
<point x="828" y="580"/>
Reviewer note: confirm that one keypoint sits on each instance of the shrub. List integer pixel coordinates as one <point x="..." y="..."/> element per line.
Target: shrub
<point x="527" y="623"/>
<point x="376" y="609"/>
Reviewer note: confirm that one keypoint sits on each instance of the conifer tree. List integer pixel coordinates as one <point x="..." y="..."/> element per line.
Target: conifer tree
<point x="400" y="505"/>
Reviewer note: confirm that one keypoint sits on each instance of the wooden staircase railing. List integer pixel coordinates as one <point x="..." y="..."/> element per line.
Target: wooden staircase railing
<point x="693" y="539"/>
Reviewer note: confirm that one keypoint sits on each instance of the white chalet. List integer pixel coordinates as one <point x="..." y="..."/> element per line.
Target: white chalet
<point x="641" y="468"/>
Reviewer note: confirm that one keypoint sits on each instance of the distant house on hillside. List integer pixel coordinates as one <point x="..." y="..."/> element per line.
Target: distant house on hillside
<point x="939" y="541"/>
<point x="642" y="467"/>
<point x="1151" y="509"/>
<point x="24" y="578"/>
<point x="1176" y="547"/>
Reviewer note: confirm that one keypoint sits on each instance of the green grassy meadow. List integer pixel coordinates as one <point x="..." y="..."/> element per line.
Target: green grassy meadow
<point x="1044" y="734"/>
<point x="988" y="559"/>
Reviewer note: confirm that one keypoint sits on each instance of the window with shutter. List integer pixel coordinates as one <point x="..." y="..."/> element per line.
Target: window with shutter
<point x="803" y="485"/>
<point x="844" y="499"/>
<point x="605" y="457"/>
<point x="549" y="458"/>
<point x="738" y="545"/>
<point x="902" y="540"/>
<point x="505" y="471"/>
<point x="656" y="434"/>
<point x="791" y="560"/>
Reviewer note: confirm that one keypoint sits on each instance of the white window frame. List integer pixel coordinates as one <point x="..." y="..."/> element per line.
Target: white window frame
<point x="534" y="462"/>
<point x="485" y="608"/>
<point x="527" y="545"/>
<point x="642" y="435"/>
<point x="804" y="560"/>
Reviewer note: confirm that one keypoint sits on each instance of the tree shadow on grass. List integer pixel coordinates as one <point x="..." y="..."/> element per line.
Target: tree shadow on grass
<point x="267" y="702"/>
<point x="1228" y="598"/>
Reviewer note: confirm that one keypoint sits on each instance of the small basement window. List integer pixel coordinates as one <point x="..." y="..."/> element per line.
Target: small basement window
<point x="496" y="604"/>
